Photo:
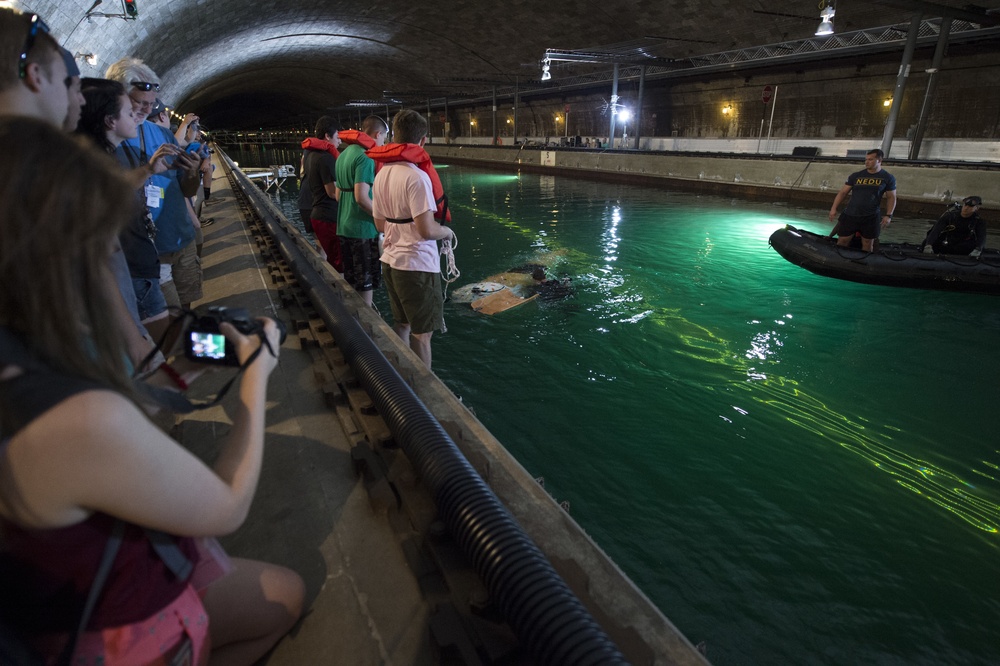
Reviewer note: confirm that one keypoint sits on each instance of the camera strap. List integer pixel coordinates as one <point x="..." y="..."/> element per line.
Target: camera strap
<point x="178" y="402"/>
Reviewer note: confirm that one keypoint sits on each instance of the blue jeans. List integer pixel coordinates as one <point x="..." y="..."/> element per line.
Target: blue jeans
<point x="149" y="298"/>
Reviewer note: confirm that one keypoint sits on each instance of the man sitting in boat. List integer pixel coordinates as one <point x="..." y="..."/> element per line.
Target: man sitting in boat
<point x="958" y="231"/>
<point x="863" y="210"/>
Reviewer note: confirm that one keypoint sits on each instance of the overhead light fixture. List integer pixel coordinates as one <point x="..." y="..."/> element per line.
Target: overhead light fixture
<point x="826" y="19"/>
<point x="546" y="74"/>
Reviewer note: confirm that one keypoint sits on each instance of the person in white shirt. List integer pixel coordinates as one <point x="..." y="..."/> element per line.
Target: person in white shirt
<point x="403" y="208"/>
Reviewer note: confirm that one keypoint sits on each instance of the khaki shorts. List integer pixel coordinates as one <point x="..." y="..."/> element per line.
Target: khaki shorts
<point x="186" y="267"/>
<point x="415" y="298"/>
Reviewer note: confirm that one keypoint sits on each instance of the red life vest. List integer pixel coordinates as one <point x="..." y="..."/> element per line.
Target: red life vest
<point x="358" y="137"/>
<point x="414" y="154"/>
<point x="313" y="143"/>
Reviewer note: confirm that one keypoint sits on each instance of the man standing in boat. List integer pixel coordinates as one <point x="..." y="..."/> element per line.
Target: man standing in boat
<point x="958" y="231"/>
<point x="863" y="211"/>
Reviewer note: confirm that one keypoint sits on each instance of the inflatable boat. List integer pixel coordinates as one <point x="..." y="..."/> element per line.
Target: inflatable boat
<point x="892" y="264"/>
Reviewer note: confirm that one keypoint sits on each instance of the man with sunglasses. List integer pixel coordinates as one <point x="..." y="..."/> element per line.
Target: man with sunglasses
<point x="164" y="193"/>
<point x="33" y="77"/>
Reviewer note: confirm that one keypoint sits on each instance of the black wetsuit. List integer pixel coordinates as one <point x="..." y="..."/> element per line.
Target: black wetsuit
<point x="954" y="234"/>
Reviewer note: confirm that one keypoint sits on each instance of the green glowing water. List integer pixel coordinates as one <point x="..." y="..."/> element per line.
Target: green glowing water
<point x="795" y="469"/>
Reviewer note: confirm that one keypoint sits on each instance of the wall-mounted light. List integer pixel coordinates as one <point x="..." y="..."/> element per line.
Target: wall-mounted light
<point x="546" y="74"/>
<point x="826" y="14"/>
<point x="887" y="102"/>
<point x="558" y="119"/>
<point x="727" y="109"/>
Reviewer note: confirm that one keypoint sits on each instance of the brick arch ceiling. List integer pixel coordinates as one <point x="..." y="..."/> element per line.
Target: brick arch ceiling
<point x="246" y="63"/>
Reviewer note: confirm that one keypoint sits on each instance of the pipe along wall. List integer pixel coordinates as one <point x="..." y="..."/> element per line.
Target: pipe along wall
<point x="550" y="622"/>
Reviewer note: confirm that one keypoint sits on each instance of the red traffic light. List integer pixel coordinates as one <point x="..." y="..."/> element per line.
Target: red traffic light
<point x="131" y="9"/>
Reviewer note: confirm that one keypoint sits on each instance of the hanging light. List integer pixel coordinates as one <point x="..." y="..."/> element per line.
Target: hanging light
<point x="826" y="20"/>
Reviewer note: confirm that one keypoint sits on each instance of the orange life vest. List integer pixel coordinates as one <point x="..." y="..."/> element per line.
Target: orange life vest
<point x="356" y="136"/>
<point x="414" y="154"/>
<point x="313" y="143"/>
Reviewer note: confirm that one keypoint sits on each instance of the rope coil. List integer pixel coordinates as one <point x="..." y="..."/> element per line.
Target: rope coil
<point x="450" y="272"/>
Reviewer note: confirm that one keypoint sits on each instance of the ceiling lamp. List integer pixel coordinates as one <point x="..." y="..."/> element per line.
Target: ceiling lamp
<point x="546" y="74"/>
<point x="826" y="20"/>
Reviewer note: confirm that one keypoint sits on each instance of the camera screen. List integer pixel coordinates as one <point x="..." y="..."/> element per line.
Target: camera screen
<point x="208" y="345"/>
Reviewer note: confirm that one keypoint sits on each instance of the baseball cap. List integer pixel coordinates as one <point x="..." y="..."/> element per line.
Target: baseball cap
<point x="71" y="67"/>
<point x="158" y="108"/>
<point x="972" y="201"/>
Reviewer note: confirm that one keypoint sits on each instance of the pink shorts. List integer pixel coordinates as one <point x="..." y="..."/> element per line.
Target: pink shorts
<point x="176" y="635"/>
<point x="162" y="639"/>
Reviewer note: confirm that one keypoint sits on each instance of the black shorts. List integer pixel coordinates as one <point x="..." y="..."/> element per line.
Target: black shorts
<point x="868" y="225"/>
<point x="362" y="268"/>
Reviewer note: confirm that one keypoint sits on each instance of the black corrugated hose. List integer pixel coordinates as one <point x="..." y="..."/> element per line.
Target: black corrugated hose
<point x="550" y="622"/>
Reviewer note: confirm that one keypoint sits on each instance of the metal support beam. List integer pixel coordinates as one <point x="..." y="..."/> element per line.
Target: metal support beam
<point x="638" y="106"/>
<point x="897" y="94"/>
<point x="516" y="96"/>
<point x="613" y="107"/>
<point x="932" y="83"/>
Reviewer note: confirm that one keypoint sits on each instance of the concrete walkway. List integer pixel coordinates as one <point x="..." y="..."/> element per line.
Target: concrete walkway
<point x="310" y="513"/>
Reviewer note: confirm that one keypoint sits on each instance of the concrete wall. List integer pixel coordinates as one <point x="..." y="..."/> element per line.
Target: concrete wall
<point x="968" y="150"/>
<point x="814" y="104"/>
<point x="921" y="189"/>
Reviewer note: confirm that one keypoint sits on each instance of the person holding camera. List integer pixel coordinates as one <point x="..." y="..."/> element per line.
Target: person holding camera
<point x="108" y="120"/>
<point x="165" y="193"/>
<point x="86" y="480"/>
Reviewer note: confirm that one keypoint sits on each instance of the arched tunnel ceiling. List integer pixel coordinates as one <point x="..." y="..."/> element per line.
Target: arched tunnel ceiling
<point x="247" y="63"/>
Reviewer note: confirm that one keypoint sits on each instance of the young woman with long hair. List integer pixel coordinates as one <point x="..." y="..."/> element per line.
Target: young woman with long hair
<point x="108" y="119"/>
<point x="79" y="458"/>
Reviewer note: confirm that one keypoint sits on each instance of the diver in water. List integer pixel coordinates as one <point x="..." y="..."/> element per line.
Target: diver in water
<point x="547" y="289"/>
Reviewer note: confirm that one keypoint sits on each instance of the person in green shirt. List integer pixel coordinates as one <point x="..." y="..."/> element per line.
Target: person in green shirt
<point x="355" y="173"/>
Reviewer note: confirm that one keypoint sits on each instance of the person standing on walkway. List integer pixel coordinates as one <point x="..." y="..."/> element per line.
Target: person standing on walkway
<point x="863" y="211"/>
<point x="355" y="226"/>
<point x="165" y="193"/>
<point x="320" y="163"/>
<point x="403" y="208"/>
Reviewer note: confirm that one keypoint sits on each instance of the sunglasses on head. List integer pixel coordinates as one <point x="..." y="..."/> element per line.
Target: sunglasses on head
<point x="142" y="85"/>
<point x="37" y="24"/>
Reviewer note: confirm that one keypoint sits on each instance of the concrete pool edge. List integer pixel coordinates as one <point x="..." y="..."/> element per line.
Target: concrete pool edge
<point x="924" y="190"/>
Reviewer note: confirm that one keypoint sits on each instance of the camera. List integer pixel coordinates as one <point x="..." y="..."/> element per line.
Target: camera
<point x="204" y="343"/>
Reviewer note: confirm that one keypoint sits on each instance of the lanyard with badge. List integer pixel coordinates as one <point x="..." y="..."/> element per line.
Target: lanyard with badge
<point x="150" y="190"/>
